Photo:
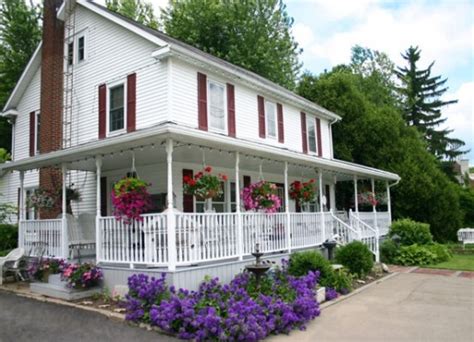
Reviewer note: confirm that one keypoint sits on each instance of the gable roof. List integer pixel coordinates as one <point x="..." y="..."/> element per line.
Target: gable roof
<point x="177" y="48"/>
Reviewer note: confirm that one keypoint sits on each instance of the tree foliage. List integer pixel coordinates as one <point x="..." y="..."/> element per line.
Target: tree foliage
<point x="255" y="35"/>
<point x="374" y="133"/>
<point x="20" y="34"/>
<point x="421" y="102"/>
<point x="138" y="10"/>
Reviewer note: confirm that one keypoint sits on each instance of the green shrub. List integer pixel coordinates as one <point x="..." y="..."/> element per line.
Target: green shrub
<point x="441" y="251"/>
<point x="388" y="251"/>
<point x="415" y="255"/>
<point x="357" y="257"/>
<point x="301" y="263"/>
<point x="8" y="237"/>
<point x="342" y="281"/>
<point x="411" y="232"/>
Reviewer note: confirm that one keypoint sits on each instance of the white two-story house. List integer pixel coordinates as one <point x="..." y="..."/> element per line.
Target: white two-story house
<point x="104" y="96"/>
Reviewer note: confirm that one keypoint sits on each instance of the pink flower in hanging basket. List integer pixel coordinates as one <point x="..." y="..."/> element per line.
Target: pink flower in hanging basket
<point x="261" y="196"/>
<point x="130" y="199"/>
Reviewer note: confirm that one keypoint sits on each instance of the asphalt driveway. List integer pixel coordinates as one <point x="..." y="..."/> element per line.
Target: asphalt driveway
<point x="23" y="319"/>
<point x="406" y="307"/>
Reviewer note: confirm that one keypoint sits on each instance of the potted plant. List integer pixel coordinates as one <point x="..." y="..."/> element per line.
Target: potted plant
<point x="302" y="192"/>
<point x="42" y="199"/>
<point x="43" y="268"/>
<point x="204" y="185"/>
<point x="130" y="199"/>
<point x="81" y="276"/>
<point x="370" y="199"/>
<point x="261" y="196"/>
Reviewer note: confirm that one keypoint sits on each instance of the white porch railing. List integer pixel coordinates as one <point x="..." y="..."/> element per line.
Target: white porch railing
<point x="205" y="237"/>
<point x="381" y="220"/>
<point x="46" y="232"/>
<point x="137" y="243"/>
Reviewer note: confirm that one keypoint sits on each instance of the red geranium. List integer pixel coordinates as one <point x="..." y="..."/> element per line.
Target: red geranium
<point x="204" y="185"/>
<point x="303" y="192"/>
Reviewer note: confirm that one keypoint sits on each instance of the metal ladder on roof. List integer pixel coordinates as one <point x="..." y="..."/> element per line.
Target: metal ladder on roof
<point x="68" y="88"/>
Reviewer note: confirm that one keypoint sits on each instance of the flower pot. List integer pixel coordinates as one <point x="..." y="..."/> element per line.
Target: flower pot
<point x="321" y="294"/>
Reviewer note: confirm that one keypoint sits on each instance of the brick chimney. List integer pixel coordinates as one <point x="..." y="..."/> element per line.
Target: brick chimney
<point x="51" y="104"/>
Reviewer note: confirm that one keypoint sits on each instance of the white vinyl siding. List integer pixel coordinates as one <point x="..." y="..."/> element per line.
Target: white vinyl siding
<point x="270" y="119"/>
<point x="216" y="106"/>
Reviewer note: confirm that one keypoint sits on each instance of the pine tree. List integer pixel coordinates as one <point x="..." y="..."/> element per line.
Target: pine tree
<point x="20" y="34"/>
<point x="421" y="104"/>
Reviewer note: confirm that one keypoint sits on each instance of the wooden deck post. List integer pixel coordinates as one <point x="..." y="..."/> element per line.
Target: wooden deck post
<point x="171" y="218"/>
<point x="287" y="209"/>
<point x="240" y="232"/>
<point x="98" y="244"/>
<point x="64" y="240"/>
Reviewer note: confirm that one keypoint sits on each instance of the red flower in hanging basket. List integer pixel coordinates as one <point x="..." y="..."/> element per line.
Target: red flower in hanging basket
<point x="204" y="185"/>
<point x="303" y="192"/>
<point x="130" y="199"/>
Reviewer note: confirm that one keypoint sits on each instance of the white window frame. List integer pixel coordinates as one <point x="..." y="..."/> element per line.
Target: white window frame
<point x="275" y="120"/>
<point x="310" y="118"/>
<point x="37" y="120"/>
<point x="214" y="129"/>
<point x="75" y="48"/>
<point x="107" y="111"/>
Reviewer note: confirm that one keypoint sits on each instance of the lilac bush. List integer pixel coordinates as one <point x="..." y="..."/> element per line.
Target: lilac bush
<point x="238" y="311"/>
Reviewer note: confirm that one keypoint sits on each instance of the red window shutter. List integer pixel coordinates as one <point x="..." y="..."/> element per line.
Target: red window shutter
<point x="131" y="102"/>
<point x="103" y="196"/>
<point x="188" y="200"/>
<point x="202" y="101"/>
<point x="247" y="181"/>
<point x="261" y="116"/>
<point x="281" y="131"/>
<point x="303" y="133"/>
<point x="328" y="197"/>
<point x="318" y="136"/>
<point x="102" y="111"/>
<point x="231" y="109"/>
<point x="32" y="133"/>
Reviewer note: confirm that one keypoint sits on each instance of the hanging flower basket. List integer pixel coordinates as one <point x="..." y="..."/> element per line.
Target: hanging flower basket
<point x="130" y="199"/>
<point x="303" y="192"/>
<point x="368" y="198"/>
<point x="261" y="196"/>
<point x="42" y="199"/>
<point x="204" y="185"/>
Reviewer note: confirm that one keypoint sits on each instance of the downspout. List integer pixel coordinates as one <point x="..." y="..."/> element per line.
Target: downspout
<point x="330" y="135"/>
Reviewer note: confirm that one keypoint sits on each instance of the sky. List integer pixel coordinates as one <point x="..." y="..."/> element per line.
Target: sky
<point x="442" y="29"/>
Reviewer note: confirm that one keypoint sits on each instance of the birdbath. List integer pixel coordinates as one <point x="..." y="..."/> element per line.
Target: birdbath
<point x="258" y="269"/>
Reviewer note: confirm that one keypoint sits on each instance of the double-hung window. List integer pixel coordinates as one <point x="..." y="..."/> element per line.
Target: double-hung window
<point x="117" y="108"/>
<point x="311" y="127"/>
<point x="81" y="48"/>
<point x="217" y="106"/>
<point x="270" y="118"/>
<point x="70" y="53"/>
<point x="76" y="49"/>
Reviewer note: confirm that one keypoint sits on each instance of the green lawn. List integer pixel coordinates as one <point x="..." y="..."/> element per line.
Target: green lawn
<point x="458" y="262"/>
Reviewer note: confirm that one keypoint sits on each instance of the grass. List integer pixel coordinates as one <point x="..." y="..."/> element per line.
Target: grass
<point x="457" y="262"/>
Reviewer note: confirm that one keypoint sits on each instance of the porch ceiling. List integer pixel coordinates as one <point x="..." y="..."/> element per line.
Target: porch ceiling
<point x="147" y="145"/>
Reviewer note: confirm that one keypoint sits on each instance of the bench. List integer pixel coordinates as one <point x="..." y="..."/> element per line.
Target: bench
<point x="466" y="236"/>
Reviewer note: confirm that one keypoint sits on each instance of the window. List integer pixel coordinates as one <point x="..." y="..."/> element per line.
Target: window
<point x="37" y="132"/>
<point x="311" y="126"/>
<point x="70" y="53"/>
<point x="81" y="52"/>
<point x="270" y="118"/>
<point x="116" y="108"/>
<point x="217" y="107"/>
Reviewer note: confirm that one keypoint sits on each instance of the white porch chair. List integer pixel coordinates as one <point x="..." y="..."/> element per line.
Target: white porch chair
<point x="11" y="263"/>
<point x="466" y="236"/>
<point x="81" y="233"/>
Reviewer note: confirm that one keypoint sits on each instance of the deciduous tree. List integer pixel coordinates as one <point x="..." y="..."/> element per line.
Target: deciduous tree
<point x="138" y="10"/>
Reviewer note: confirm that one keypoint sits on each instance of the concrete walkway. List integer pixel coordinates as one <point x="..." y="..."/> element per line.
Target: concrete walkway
<point x="406" y="307"/>
<point x="23" y="319"/>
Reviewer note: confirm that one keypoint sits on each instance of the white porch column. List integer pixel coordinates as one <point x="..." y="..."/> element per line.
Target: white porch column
<point x="389" y="204"/>
<point x="321" y="209"/>
<point x="98" y="242"/>
<point x="240" y="232"/>
<point x="356" y="199"/>
<point x="171" y="218"/>
<point x="376" y="226"/>
<point x="64" y="233"/>
<point x="332" y="194"/>
<point x="21" y="211"/>
<point x="287" y="209"/>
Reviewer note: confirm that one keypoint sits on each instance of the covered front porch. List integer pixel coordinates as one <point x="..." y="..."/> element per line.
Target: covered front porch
<point x="175" y="234"/>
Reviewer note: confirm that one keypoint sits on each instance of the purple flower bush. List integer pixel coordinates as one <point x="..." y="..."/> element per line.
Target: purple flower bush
<point x="238" y="311"/>
<point x="331" y="293"/>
